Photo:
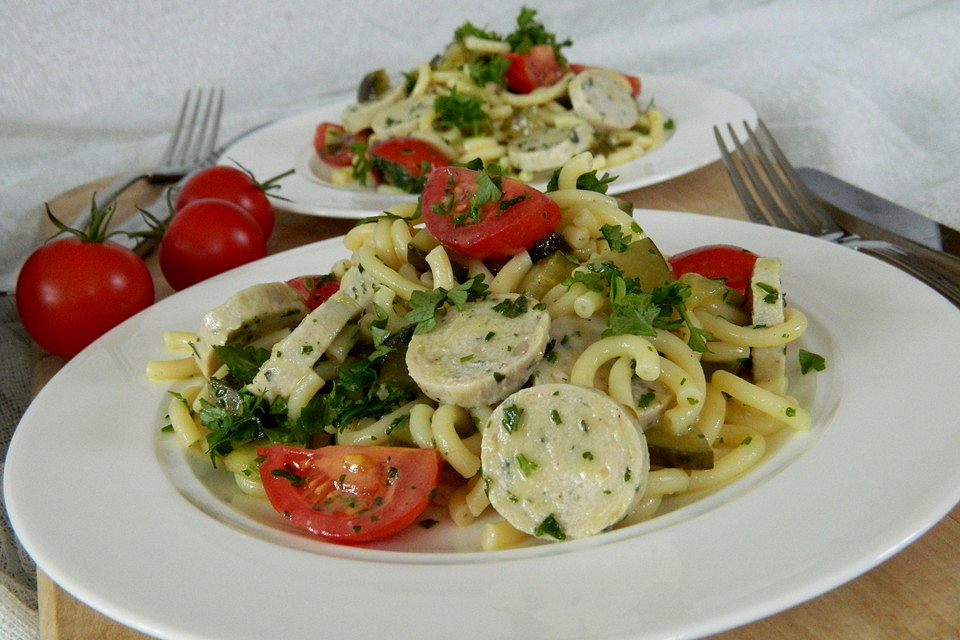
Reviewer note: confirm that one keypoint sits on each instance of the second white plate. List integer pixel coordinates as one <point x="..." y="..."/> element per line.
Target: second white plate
<point x="287" y="144"/>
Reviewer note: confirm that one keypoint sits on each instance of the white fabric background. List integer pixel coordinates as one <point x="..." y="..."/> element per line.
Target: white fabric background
<point x="867" y="90"/>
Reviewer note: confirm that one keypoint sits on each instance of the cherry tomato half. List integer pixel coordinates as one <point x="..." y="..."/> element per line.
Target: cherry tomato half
<point x="498" y="228"/>
<point x="413" y="157"/>
<point x="633" y="80"/>
<point x="314" y="290"/>
<point x="233" y="185"/>
<point x="207" y="237"/>
<point x="70" y="292"/>
<point x="536" y="68"/>
<point x="332" y="143"/>
<point x="731" y="263"/>
<point x="351" y="494"/>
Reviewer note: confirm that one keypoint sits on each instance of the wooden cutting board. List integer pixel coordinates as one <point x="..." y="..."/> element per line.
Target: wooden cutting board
<point x="913" y="596"/>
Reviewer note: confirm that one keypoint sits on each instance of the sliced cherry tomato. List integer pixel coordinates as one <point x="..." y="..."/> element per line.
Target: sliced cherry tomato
<point x="314" y="290"/>
<point x="731" y="263"/>
<point x="488" y="224"/>
<point x="233" y="185"/>
<point x="332" y="143"/>
<point x="403" y="162"/>
<point x="207" y="237"/>
<point x="633" y="80"/>
<point x="531" y="70"/>
<point x="351" y="494"/>
<point x="70" y="292"/>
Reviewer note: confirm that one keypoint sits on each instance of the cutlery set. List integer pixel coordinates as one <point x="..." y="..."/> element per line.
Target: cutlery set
<point x="774" y="193"/>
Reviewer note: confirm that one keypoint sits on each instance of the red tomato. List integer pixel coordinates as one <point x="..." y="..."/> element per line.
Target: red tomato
<point x="504" y="227"/>
<point x="349" y="493"/>
<point x="207" y="237"/>
<point x="70" y="292"/>
<point x="733" y="264"/>
<point x="533" y="69"/>
<point x="233" y="185"/>
<point x="413" y="155"/>
<point x="633" y="80"/>
<point x="332" y="143"/>
<point x="314" y="290"/>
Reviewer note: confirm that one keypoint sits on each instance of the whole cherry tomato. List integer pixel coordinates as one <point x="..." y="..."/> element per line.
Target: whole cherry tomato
<point x="233" y="185"/>
<point x="207" y="237"/>
<point x="73" y="289"/>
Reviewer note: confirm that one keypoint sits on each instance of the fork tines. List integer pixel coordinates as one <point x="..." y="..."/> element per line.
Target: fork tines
<point x="196" y="129"/>
<point x="767" y="184"/>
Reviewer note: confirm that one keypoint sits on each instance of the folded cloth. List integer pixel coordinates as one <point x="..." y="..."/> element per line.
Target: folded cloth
<point x="18" y="574"/>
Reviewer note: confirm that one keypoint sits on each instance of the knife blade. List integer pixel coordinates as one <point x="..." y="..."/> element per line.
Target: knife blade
<point x="875" y="217"/>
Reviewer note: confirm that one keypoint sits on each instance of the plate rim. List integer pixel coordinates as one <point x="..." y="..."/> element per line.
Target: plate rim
<point x="811" y="585"/>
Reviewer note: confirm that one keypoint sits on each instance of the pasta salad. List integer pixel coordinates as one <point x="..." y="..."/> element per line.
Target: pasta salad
<point x="528" y="358"/>
<point x="510" y="99"/>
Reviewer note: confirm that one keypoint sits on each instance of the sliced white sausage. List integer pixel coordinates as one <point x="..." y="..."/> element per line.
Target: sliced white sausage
<point x="245" y="316"/>
<point x="604" y="98"/>
<point x="481" y="354"/>
<point x="293" y="358"/>
<point x="401" y="118"/>
<point x="561" y="461"/>
<point x="769" y="364"/>
<point x="551" y="148"/>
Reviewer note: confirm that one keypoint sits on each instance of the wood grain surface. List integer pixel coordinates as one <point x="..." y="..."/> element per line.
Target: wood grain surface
<point x="915" y="595"/>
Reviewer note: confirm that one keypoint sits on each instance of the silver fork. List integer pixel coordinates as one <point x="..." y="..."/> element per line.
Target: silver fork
<point x="192" y="140"/>
<point x="773" y="194"/>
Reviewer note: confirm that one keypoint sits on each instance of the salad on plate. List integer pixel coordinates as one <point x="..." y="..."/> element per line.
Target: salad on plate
<point x="528" y="361"/>
<point x="513" y="99"/>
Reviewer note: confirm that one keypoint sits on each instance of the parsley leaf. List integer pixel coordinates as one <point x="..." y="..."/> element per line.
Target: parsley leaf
<point x="488" y="69"/>
<point x="424" y="305"/>
<point x="550" y="527"/>
<point x="772" y="295"/>
<point x="585" y="181"/>
<point x="242" y="362"/>
<point x="530" y="32"/>
<point x="460" y="111"/>
<point x="398" y="175"/>
<point x="615" y="237"/>
<point x="810" y="361"/>
<point x="512" y="308"/>
<point x="468" y="29"/>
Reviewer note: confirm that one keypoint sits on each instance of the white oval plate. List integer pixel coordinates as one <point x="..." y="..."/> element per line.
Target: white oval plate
<point x="134" y="527"/>
<point x="288" y="144"/>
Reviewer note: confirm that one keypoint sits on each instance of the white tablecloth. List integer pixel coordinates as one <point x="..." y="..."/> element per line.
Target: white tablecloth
<point x="866" y="90"/>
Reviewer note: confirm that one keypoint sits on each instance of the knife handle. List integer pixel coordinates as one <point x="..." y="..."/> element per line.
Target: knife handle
<point x="944" y="283"/>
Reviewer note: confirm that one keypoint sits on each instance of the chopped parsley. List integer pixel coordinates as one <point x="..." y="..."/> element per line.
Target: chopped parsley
<point x="512" y="308"/>
<point x="550" y="527"/>
<point x="772" y="295"/>
<point x="460" y="111"/>
<point x="585" y="182"/>
<point x="616" y="238"/>
<point x="424" y="305"/>
<point x="527" y="466"/>
<point x="810" y="361"/>
<point x="511" y="417"/>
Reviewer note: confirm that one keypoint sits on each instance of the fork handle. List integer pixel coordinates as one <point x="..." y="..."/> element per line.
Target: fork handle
<point x="108" y="195"/>
<point x="927" y="272"/>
